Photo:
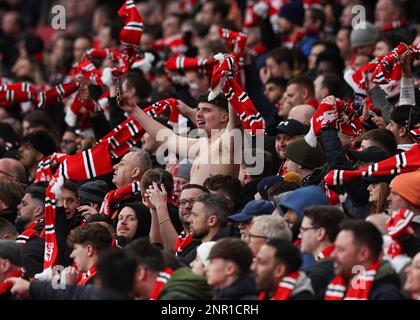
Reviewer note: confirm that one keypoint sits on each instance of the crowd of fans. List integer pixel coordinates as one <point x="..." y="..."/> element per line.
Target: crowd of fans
<point x="95" y="204"/>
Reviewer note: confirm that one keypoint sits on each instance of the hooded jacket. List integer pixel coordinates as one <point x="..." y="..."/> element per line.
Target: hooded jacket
<point x="244" y="288"/>
<point x="184" y="284"/>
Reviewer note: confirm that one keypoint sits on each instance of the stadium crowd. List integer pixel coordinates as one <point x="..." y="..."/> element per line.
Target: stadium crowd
<point x="210" y="149"/>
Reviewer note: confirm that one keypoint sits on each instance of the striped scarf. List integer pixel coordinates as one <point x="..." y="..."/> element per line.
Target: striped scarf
<point x="398" y="225"/>
<point x="130" y="34"/>
<point x="181" y="64"/>
<point x="29" y="233"/>
<point x="183" y="241"/>
<point x="224" y="80"/>
<point x="285" y="287"/>
<point x="118" y="195"/>
<point x="339" y="289"/>
<point x="161" y="279"/>
<point x="44" y="171"/>
<point x="326" y="253"/>
<point x="87" y="276"/>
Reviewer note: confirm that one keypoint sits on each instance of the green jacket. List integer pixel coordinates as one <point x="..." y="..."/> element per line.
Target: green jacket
<point x="186" y="285"/>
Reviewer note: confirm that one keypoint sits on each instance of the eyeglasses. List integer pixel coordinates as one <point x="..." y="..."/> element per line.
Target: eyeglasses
<point x="184" y="202"/>
<point x="250" y="235"/>
<point x="303" y="229"/>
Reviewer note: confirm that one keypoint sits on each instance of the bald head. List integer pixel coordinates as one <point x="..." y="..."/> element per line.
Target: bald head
<point x="12" y="170"/>
<point x="302" y="113"/>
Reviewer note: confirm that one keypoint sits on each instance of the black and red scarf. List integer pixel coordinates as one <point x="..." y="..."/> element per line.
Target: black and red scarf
<point x="29" y="233"/>
<point x="184" y="241"/>
<point x="161" y="279"/>
<point x="87" y="276"/>
<point x="285" y="287"/>
<point x="326" y="253"/>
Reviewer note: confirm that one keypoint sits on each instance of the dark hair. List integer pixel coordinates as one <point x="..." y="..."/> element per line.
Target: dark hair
<point x="36" y="192"/>
<point x="137" y="81"/>
<point x="152" y="175"/>
<point x="334" y="58"/>
<point x="401" y="114"/>
<point x="145" y="254"/>
<point x="39" y="118"/>
<point x="286" y="253"/>
<point x="11" y="251"/>
<point x="95" y="235"/>
<point x="235" y="250"/>
<point x="280" y="55"/>
<point x="305" y="82"/>
<point x="326" y="217"/>
<point x="365" y="233"/>
<point x="215" y="204"/>
<point x="6" y="227"/>
<point x="268" y="162"/>
<point x="41" y="141"/>
<point x="317" y="14"/>
<point x="384" y="138"/>
<point x="281" y="187"/>
<point x="334" y="84"/>
<point x="220" y="101"/>
<point x="221" y="7"/>
<point x="227" y="186"/>
<point x="71" y="186"/>
<point x="116" y="271"/>
<point x="195" y="186"/>
<point x="278" y="81"/>
<point x="99" y="218"/>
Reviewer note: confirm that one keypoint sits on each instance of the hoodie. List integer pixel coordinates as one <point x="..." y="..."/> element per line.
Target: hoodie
<point x="304" y="197"/>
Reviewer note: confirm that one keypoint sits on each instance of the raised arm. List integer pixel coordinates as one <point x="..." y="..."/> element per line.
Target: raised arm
<point x="175" y="143"/>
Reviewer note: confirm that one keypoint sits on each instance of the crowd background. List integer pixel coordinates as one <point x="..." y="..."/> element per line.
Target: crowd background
<point x="340" y="186"/>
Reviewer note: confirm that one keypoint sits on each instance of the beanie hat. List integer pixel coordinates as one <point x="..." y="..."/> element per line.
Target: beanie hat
<point x="41" y="141"/>
<point x="93" y="191"/>
<point x="293" y="12"/>
<point x="407" y="186"/>
<point x="183" y="169"/>
<point x="303" y="154"/>
<point x="203" y="251"/>
<point x="362" y="37"/>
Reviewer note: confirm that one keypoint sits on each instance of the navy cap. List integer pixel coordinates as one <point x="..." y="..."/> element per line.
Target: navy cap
<point x="290" y="127"/>
<point x="252" y="209"/>
<point x="266" y="184"/>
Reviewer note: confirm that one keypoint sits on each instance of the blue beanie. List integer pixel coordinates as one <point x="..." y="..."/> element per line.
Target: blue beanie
<point x="294" y="12"/>
<point x="302" y="198"/>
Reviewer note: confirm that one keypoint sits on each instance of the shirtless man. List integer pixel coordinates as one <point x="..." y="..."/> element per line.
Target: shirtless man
<point x="214" y="153"/>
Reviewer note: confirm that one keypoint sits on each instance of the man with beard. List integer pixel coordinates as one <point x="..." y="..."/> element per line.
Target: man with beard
<point x="182" y="243"/>
<point x="29" y="220"/>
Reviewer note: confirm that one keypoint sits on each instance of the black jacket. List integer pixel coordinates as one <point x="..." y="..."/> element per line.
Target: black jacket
<point x="42" y="290"/>
<point x="248" y="191"/>
<point x="321" y="273"/>
<point x="244" y="288"/>
<point x="387" y="285"/>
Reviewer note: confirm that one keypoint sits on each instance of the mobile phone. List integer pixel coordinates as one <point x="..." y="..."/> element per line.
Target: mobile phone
<point x="358" y="103"/>
<point x="160" y="179"/>
<point x="119" y="92"/>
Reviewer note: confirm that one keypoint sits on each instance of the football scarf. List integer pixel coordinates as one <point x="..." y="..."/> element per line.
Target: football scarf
<point x="29" y="233"/>
<point x="86" y="277"/>
<point x="181" y="64"/>
<point x="175" y="43"/>
<point x="337" y="113"/>
<point x="130" y="34"/>
<point x="398" y="225"/>
<point x="56" y="94"/>
<point x="44" y="170"/>
<point x="339" y="289"/>
<point x="284" y="289"/>
<point x="224" y="80"/>
<point x="326" y="253"/>
<point x="114" y="196"/>
<point x="6" y="285"/>
<point x="184" y="241"/>
<point x="161" y="279"/>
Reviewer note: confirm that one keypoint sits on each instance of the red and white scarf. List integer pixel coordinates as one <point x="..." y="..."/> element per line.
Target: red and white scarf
<point x="235" y="40"/>
<point x="118" y="195"/>
<point x="326" y="253"/>
<point x="29" y="233"/>
<point x="44" y="171"/>
<point x="6" y="285"/>
<point x="285" y="287"/>
<point x="398" y="225"/>
<point x="175" y="43"/>
<point x="181" y="64"/>
<point x="87" y="276"/>
<point x="400" y="163"/>
<point x="183" y="241"/>
<point x="161" y="279"/>
<point x="359" y="289"/>
<point x="57" y="94"/>
<point x="130" y="34"/>
<point x="224" y="80"/>
<point x="337" y="113"/>
<point x="394" y="25"/>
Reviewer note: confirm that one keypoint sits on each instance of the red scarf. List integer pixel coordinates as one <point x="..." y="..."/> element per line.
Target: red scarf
<point x="130" y="34"/>
<point x="183" y="241"/>
<point x="326" y="253"/>
<point x="398" y="225"/>
<point x="181" y="64"/>
<point x="44" y="172"/>
<point x="290" y="42"/>
<point x="234" y="40"/>
<point x="175" y="43"/>
<point x="29" y="233"/>
<point x="400" y="163"/>
<point x="118" y="195"/>
<point x="56" y="94"/>
<point x="87" y="276"/>
<point x="285" y="287"/>
<point x="313" y="102"/>
<point x="223" y="80"/>
<point x="161" y="279"/>
<point x="6" y="285"/>
<point x="336" y="112"/>
<point x="394" y="25"/>
<point x="339" y="289"/>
